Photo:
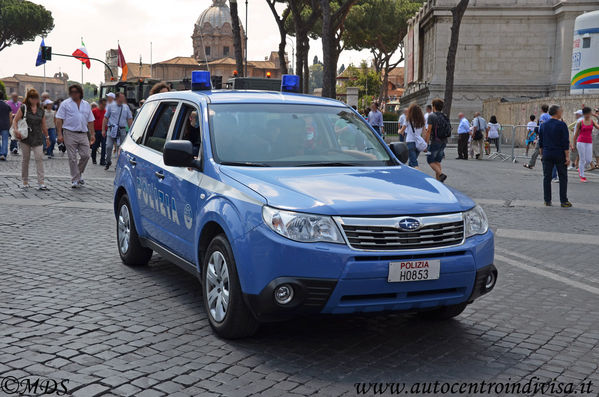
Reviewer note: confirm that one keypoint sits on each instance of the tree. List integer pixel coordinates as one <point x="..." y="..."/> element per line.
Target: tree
<point x="333" y="15"/>
<point x="282" y="24"/>
<point x="304" y="14"/>
<point x="457" y="13"/>
<point x="2" y="91"/>
<point x="365" y="78"/>
<point x="236" y="37"/>
<point x="380" y="25"/>
<point x="316" y="61"/>
<point x="315" y="76"/>
<point x="22" y="21"/>
<point x="341" y="68"/>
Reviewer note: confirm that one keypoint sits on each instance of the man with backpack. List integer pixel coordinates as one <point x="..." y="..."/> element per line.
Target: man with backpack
<point x="479" y="128"/>
<point x="438" y="131"/>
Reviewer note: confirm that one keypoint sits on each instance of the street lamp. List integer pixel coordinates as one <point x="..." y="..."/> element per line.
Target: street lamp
<point x="292" y="54"/>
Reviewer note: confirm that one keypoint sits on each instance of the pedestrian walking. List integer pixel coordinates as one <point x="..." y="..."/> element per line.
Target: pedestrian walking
<point x="110" y="98"/>
<point x="114" y="126"/>
<point x="75" y="123"/>
<point x="463" y="136"/>
<point x="544" y="117"/>
<point x="429" y="110"/>
<point x="50" y="114"/>
<point x="402" y="125"/>
<point x="5" y="121"/>
<point x="479" y="128"/>
<point x="532" y="129"/>
<point x="583" y="139"/>
<point x="554" y="147"/>
<point x="413" y="134"/>
<point x="492" y="133"/>
<point x="100" y="142"/>
<point x="375" y="118"/>
<point x="31" y="111"/>
<point x="439" y="130"/>
<point x="15" y="105"/>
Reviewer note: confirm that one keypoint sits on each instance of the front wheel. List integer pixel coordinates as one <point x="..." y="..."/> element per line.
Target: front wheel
<point x="443" y="313"/>
<point x="228" y="314"/>
<point x="130" y="249"/>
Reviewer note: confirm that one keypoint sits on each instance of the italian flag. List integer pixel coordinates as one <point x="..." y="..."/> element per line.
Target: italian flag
<point x="81" y="54"/>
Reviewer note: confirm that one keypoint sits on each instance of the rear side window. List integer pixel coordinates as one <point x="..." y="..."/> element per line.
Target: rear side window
<point x="160" y="125"/>
<point x="141" y="121"/>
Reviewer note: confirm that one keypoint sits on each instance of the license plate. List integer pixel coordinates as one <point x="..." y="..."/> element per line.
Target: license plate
<point x="400" y="272"/>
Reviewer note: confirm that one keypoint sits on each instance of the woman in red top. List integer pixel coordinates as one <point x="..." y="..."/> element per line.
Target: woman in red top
<point x="583" y="138"/>
<point x="99" y="113"/>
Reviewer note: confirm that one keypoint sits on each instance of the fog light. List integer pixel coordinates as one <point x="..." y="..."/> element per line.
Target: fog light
<point x="490" y="281"/>
<point x="284" y="294"/>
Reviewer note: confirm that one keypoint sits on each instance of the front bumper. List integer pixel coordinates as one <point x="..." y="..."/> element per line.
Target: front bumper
<point x="332" y="278"/>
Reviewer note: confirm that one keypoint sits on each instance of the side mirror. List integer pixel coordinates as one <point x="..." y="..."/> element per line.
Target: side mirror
<point x="179" y="154"/>
<point x="400" y="150"/>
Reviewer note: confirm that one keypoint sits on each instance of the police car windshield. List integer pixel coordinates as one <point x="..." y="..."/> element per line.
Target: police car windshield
<point x="291" y="135"/>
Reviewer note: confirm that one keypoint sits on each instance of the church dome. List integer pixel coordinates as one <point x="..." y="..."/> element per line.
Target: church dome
<point x="216" y="15"/>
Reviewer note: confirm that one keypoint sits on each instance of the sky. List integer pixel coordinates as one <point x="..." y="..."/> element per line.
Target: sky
<point x="168" y="25"/>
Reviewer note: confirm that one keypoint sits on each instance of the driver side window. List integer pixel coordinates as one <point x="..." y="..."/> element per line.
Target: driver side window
<point x="188" y="127"/>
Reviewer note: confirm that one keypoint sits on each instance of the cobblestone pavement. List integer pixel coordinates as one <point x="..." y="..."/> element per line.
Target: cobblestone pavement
<point x="70" y="310"/>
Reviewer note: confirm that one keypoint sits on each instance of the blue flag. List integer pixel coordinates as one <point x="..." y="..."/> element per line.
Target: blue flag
<point x="39" y="61"/>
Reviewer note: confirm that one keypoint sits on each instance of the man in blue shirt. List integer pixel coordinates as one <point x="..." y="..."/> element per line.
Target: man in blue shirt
<point x="554" y="146"/>
<point x="463" y="135"/>
<point x="375" y="118"/>
<point x="543" y="118"/>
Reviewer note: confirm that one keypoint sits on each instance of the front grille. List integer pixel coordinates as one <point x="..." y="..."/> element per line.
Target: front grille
<point x="387" y="237"/>
<point x="317" y="292"/>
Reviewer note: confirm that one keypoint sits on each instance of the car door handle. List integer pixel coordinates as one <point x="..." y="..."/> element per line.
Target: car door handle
<point x="132" y="161"/>
<point x="159" y="174"/>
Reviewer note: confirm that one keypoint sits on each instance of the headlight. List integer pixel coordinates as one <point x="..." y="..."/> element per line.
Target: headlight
<point x="475" y="222"/>
<point x="306" y="228"/>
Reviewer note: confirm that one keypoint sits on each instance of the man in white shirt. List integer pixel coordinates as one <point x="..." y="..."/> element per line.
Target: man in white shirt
<point x="402" y="124"/>
<point x="429" y="110"/>
<point x="375" y="118"/>
<point x="75" y="126"/>
<point x="463" y="135"/>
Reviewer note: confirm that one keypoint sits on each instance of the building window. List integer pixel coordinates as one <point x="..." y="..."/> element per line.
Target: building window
<point x="226" y="51"/>
<point x="586" y="42"/>
<point x="207" y="50"/>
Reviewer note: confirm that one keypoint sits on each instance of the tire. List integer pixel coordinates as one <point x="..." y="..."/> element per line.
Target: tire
<point x="229" y="318"/>
<point x="130" y="249"/>
<point x="443" y="313"/>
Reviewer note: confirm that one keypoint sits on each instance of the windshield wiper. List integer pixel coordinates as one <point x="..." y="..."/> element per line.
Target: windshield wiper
<point x="244" y="164"/>
<point x="327" y="164"/>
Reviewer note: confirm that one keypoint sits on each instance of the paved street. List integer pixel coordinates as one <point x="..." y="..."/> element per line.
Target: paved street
<point x="70" y="310"/>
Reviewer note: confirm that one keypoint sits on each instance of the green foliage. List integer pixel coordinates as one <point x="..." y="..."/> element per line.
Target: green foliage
<point x="389" y="116"/>
<point x="366" y="79"/>
<point x="88" y="90"/>
<point x="316" y="74"/>
<point x="380" y="24"/>
<point x="21" y="21"/>
<point x="2" y="91"/>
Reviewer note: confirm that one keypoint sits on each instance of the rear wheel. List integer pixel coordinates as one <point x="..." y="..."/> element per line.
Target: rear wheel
<point x="443" y="313"/>
<point x="130" y="249"/>
<point x="228" y="314"/>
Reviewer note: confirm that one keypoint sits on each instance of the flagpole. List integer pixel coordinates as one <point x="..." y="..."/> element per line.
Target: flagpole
<point x="82" y="66"/>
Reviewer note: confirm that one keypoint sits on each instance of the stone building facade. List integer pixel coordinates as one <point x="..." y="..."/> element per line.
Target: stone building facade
<point x="514" y="49"/>
<point x="21" y="83"/>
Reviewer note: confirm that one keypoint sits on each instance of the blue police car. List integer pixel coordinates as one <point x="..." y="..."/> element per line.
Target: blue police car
<point x="284" y="203"/>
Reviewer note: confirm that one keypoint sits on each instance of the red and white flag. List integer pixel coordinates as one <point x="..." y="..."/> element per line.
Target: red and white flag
<point x="81" y="54"/>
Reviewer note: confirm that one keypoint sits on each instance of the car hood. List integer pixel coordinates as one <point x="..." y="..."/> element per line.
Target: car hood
<point x="351" y="191"/>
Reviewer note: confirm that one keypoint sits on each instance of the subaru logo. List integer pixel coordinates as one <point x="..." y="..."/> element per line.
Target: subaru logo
<point x="409" y="224"/>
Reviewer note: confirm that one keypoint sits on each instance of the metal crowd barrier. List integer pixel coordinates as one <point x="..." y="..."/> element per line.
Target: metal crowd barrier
<point x="519" y="152"/>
